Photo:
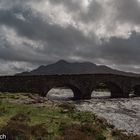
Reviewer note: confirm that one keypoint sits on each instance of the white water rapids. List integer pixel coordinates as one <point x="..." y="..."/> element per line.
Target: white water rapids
<point x="124" y="114"/>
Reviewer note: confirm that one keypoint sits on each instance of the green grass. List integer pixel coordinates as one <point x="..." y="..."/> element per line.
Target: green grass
<point x="53" y="122"/>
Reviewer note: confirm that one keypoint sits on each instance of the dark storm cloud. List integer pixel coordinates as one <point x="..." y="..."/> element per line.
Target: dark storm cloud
<point x="58" y="41"/>
<point x="94" y="11"/>
<point x="71" y="5"/>
<point x="10" y="52"/>
<point x="37" y="38"/>
<point x="34" y="27"/>
<point x="27" y="27"/>
<point x="122" y="51"/>
<point x="127" y="11"/>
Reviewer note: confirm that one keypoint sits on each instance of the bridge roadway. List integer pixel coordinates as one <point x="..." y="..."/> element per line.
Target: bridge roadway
<point x="81" y="85"/>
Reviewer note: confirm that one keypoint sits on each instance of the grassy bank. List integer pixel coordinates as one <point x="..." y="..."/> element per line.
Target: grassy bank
<point x="52" y="121"/>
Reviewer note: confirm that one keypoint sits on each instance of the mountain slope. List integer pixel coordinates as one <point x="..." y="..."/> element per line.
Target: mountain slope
<point x="64" y="67"/>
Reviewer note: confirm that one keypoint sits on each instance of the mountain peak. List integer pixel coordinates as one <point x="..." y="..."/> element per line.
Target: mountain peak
<point x="62" y="61"/>
<point x="64" y="67"/>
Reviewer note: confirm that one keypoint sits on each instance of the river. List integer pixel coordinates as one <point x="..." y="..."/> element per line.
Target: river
<point x="124" y="114"/>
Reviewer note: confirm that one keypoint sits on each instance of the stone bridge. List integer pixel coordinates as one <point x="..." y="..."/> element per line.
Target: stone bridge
<point x="81" y="85"/>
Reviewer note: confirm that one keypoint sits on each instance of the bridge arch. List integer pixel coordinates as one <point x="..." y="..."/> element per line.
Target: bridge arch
<point x="100" y="91"/>
<point x="115" y="90"/>
<point x="136" y="90"/>
<point x="75" y="90"/>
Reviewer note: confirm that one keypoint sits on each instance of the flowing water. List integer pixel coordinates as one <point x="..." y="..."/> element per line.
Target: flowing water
<point x="124" y="114"/>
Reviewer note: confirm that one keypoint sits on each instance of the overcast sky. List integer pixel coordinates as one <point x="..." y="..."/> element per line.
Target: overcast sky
<point x="36" y="32"/>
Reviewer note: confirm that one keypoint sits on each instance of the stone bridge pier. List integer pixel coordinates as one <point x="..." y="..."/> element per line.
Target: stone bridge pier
<point x="82" y="85"/>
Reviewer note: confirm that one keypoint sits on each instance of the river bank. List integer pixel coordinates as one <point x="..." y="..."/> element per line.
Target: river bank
<point x="123" y="113"/>
<point x="32" y="116"/>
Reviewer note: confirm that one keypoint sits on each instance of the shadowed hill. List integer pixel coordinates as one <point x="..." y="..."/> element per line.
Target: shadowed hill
<point x="64" y="67"/>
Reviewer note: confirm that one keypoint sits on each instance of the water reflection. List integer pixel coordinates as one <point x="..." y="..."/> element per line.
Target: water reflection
<point x="101" y="94"/>
<point x="60" y="94"/>
<point x="63" y="94"/>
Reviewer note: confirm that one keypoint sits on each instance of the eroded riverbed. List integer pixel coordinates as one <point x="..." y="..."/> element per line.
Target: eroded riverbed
<point x="122" y="113"/>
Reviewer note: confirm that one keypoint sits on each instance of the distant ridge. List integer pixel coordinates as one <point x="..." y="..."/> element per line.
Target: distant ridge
<point x="64" y="67"/>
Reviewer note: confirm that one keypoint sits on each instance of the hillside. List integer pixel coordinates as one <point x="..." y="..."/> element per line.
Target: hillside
<point x="64" y="67"/>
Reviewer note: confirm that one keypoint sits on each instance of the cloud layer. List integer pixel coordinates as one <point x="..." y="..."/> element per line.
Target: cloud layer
<point x="35" y="32"/>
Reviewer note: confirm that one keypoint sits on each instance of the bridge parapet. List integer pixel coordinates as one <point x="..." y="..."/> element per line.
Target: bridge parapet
<point x="81" y="85"/>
